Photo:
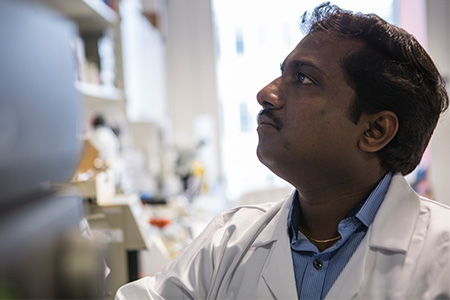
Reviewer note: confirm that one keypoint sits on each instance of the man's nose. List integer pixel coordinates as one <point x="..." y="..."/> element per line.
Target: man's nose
<point x="270" y="96"/>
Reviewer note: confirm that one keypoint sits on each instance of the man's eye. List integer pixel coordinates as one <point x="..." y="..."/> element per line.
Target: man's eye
<point x="304" y="79"/>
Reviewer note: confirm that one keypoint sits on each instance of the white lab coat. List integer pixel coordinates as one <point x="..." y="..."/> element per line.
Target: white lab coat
<point x="245" y="254"/>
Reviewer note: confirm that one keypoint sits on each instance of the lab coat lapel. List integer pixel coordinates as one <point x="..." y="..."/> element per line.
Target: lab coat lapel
<point x="391" y="231"/>
<point x="278" y="271"/>
<point x="395" y="221"/>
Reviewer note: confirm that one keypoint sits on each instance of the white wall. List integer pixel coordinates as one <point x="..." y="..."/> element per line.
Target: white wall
<point x="143" y="65"/>
<point x="191" y="80"/>
<point x="438" y="13"/>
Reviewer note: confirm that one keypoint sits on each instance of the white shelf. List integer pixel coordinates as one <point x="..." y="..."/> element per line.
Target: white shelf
<point x="91" y="15"/>
<point x="97" y="91"/>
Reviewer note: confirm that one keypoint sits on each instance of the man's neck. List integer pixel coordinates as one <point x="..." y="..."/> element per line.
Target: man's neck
<point x="323" y="209"/>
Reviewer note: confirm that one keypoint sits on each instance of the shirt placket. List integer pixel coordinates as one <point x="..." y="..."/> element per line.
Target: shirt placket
<point x="314" y="276"/>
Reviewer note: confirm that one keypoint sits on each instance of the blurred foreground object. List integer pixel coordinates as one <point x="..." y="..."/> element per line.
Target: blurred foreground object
<point x="42" y="252"/>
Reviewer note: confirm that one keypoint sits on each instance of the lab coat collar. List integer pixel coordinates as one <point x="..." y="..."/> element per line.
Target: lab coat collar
<point x="394" y="223"/>
<point x="391" y="231"/>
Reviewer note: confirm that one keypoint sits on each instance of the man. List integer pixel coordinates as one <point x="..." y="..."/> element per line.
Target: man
<point x="352" y="112"/>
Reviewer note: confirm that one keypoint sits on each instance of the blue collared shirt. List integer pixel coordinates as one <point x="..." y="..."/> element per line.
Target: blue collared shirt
<point x="315" y="272"/>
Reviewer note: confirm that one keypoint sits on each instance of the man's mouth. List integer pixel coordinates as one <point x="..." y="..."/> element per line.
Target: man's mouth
<point x="267" y="117"/>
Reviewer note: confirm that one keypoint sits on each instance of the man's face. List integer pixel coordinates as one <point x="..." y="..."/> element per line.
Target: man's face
<point x="305" y="125"/>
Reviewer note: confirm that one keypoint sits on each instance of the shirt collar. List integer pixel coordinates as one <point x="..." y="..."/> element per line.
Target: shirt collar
<point x="370" y="207"/>
<point x="365" y="211"/>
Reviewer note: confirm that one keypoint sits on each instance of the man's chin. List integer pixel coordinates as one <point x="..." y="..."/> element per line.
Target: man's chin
<point x="263" y="152"/>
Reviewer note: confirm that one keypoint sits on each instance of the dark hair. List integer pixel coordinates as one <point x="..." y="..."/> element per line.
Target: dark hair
<point x="393" y="73"/>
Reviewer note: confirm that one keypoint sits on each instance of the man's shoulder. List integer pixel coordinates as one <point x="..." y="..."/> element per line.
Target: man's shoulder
<point x="246" y="221"/>
<point x="435" y="205"/>
<point x="439" y="213"/>
<point x="246" y="213"/>
<point x="254" y="208"/>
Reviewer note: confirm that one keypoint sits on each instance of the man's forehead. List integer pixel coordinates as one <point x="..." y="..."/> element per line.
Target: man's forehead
<point x="325" y="46"/>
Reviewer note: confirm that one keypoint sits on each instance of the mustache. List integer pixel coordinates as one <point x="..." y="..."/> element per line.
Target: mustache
<point x="269" y="113"/>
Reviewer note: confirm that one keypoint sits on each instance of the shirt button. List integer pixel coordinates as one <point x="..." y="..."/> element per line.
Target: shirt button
<point x="317" y="264"/>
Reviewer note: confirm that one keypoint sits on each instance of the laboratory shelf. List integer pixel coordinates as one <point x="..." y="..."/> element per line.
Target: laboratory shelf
<point x="91" y="15"/>
<point x="98" y="91"/>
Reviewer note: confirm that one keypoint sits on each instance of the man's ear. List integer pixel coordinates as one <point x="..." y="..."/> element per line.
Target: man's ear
<point x="380" y="129"/>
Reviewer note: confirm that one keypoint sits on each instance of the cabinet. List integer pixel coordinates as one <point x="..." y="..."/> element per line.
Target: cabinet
<point x="97" y="47"/>
<point x="118" y="42"/>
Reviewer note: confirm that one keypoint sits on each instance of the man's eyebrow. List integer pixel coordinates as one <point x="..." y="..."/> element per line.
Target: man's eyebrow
<point x="295" y="64"/>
